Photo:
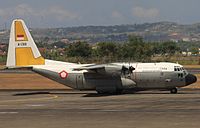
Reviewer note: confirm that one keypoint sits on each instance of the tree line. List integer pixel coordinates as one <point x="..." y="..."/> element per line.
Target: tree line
<point x="135" y="49"/>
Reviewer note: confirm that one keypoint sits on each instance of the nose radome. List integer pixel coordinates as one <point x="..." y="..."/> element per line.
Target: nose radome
<point x="189" y="79"/>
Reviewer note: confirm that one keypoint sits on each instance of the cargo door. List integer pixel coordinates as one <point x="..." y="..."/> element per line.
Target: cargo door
<point x="79" y="82"/>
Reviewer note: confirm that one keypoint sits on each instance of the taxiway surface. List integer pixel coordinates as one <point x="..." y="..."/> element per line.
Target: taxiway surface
<point x="74" y="109"/>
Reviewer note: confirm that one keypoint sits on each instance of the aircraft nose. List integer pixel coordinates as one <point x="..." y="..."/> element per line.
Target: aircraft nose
<point x="189" y="79"/>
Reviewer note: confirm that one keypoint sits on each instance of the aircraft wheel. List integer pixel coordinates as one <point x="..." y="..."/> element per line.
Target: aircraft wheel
<point x="100" y="92"/>
<point x="173" y="91"/>
<point x="119" y="91"/>
<point x="103" y="92"/>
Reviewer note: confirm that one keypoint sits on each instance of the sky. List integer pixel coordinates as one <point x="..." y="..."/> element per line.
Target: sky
<point x="68" y="13"/>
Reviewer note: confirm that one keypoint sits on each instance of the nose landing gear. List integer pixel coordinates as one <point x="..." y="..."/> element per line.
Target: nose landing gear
<point x="173" y="91"/>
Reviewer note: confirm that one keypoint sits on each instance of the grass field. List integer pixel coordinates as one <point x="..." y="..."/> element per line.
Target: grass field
<point x="2" y="67"/>
<point x="27" y="81"/>
<point x="192" y="66"/>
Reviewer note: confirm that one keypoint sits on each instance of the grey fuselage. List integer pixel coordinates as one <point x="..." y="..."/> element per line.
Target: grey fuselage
<point x="163" y="76"/>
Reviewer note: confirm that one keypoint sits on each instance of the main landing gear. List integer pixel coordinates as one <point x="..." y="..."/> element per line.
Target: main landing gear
<point x="173" y="91"/>
<point x="116" y="92"/>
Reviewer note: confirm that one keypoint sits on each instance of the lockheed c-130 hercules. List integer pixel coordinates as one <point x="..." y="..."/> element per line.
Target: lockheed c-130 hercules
<point x="104" y="78"/>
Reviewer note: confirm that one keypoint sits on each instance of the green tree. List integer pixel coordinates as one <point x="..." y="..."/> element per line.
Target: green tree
<point x="195" y="50"/>
<point x="136" y="49"/>
<point x="59" y="44"/>
<point x="169" y="48"/>
<point x="106" y="49"/>
<point x="79" y="49"/>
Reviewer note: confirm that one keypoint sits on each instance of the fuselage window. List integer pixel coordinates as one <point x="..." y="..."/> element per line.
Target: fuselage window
<point x="184" y="72"/>
<point x="180" y="75"/>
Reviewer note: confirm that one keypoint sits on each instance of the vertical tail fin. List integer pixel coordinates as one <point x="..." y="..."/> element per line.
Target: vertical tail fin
<point x="22" y="50"/>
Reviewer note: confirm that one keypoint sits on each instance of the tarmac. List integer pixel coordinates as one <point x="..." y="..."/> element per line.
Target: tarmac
<point x="76" y="109"/>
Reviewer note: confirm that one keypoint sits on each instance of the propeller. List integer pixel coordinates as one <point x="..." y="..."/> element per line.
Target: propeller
<point x="131" y="69"/>
<point x="128" y="70"/>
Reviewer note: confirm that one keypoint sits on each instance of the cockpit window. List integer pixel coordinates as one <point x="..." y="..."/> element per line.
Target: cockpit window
<point x="177" y="68"/>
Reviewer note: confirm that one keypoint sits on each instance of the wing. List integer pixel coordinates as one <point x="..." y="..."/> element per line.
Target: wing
<point x="93" y="68"/>
<point x="108" y="69"/>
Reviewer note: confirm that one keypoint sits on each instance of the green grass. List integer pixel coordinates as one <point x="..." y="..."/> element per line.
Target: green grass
<point x="3" y="59"/>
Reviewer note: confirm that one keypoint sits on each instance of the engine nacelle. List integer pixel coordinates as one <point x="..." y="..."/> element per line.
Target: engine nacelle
<point x="113" y="69"/>
<point x="127" y="83"/>
<point x="114" y="87"/>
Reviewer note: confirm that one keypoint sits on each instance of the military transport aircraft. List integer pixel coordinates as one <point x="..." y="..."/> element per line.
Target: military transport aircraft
<point x="104" y="78"/>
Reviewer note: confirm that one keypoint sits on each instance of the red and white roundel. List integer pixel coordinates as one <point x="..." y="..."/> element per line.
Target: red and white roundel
<point x="63" y="74"/>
